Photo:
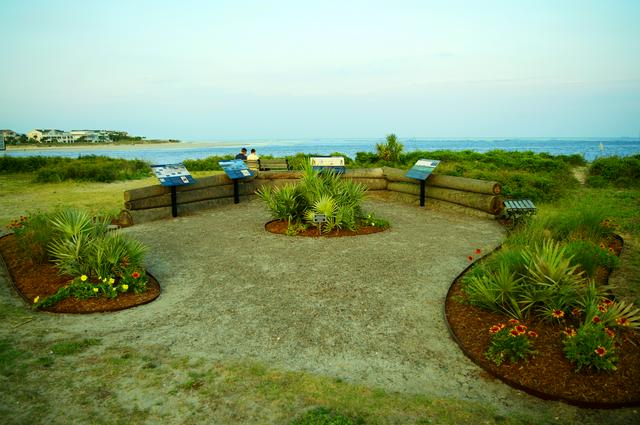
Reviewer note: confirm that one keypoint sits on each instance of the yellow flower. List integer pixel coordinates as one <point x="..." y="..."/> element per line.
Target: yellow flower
<point x="35" y="300"/>
<point x="111" y="281"/>
<point x="83" y="277"/>
<point x="104" y="280"/>
<point x="125" y="286"/>
<point x="95" y="289"/>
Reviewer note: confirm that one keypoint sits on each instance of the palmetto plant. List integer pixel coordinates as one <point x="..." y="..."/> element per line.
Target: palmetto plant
<point x="551" y="282"/>
<point x="497" y="291"/>
<point x="317" y="193"/>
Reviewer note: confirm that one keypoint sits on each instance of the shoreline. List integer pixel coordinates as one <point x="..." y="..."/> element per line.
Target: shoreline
<point x="127" y="146"/>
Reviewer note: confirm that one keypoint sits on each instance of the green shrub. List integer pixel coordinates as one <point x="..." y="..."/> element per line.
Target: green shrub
<point x="589" y="257"/>
<point x="209" y="163"/>
<point x="591" y="346"/>
<point x="512" y="343"/>
<point x="33" y="234"/>
<point x="91" y="168"/>
<point x="615" y="171"/>
<point x="317" y="193"/>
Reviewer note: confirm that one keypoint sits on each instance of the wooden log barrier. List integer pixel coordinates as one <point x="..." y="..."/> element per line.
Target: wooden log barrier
<point x="154" y="202"/>
<point x="483" y="202"/>
<point x="449" y="182"/>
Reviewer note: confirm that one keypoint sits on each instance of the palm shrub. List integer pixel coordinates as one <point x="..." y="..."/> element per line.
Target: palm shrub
<point x="551" y="283"/>
<point x="498" y="291"/>
<point x="317" y="193"/>
<point x="391" y="150"/>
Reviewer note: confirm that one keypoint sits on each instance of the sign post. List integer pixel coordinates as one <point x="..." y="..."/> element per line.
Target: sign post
<point x="421" y="171"/>
<point x="173" y="175"/>
<point x="236" y="170"/>
<point x="331" y="163"/>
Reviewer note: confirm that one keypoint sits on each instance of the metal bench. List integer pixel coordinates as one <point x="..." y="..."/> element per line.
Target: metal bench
<point x="276" y="164"/>
<point x="519" y="209"/>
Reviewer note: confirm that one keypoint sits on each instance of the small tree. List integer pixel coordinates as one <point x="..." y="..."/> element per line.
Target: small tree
<point x="391" y="150"/>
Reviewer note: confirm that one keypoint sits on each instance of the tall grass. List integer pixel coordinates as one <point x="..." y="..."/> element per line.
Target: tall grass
<point x="86" y="168"/>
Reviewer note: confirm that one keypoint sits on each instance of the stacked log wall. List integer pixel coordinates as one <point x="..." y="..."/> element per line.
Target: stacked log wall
<point x="154" y="202"/>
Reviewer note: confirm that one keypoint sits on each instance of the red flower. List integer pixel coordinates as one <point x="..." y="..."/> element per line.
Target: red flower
<point x="557" y="314"/>
<point x="569" y="332"/>
<point x="596" y="319"/>
<point x="601" y="245"/>
<point x="610" y="332"/>
<point x="601" y="351"/>
<point x="610" y="249"/>
<point x="513" y="322"/>
<point x="470" y="258"/>
<point x="502" y="325"/>
<point x="495" y="329"/>
<point x="477" y="251"/>
<point x="533" y="334"/>
<point x="622" y="321"/>
<point x="135" y="275"/>
<point x="521" y="329"/>
<point x="513" y="333"/>
<point x="602" y="308"/>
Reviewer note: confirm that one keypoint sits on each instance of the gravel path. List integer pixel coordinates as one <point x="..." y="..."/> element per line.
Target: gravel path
<point x="366" y="309"/>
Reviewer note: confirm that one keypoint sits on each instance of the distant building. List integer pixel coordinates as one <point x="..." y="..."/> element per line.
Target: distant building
<point x="9" y="134"/>
<point x="92" y="136"/>
<point x="50" y="135"/>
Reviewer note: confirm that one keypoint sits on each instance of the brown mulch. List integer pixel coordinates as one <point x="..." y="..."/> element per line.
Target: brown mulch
<point x="548" y="374"/>
<point x="32" y="280"/>
<point x="280" y="227"/>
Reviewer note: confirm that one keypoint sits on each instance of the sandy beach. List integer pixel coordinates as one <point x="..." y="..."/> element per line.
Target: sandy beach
<point x="115" y="146"/>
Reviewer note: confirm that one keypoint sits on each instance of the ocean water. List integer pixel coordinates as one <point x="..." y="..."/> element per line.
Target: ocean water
<point x="589" y="148"/>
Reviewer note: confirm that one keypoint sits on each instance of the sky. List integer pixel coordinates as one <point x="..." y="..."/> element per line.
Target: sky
<point x="230" y="70"/>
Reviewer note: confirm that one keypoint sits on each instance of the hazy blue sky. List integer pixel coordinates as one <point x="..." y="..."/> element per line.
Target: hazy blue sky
<point x="211" y="70"/>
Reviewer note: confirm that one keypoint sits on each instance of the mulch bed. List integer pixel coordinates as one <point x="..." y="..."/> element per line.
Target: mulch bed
<point x="32" y="280"/>
<point x="280" y="227"/>
<point x="548" y="374"/>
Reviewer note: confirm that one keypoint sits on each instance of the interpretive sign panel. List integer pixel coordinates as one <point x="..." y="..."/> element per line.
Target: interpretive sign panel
<point x="235" y="169"/>
<point x="172" y="174"/>
<point x="333" y="163"/>
<point x="422" y="169"/>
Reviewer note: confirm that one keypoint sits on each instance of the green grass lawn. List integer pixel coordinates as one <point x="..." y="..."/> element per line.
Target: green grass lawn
<point x="19" y="194"/>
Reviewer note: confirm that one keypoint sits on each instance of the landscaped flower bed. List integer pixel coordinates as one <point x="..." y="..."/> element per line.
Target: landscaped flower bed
<point x="539" y="312"/>
<point x="71" y="262"/>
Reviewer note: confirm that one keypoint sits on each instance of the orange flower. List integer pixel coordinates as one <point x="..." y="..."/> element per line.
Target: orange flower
<point x="610" y="332"/>
<point x="607" y="302"/>
<point x="135" y="275"/>
<point x="533" y="334"/>
<point x="601" y="351"/>
<point x="557" y="314"/>
<point x="602" y="308"/>
<point x="610" y="249"/>
<point x="569" y="332"/>
<point x="477" y="251"/>
<point x="470" y="258"/>
<point x="513" y="333"/>
<point x="521" y="329"/>
<point x="495" y="329"/>
<point x="513" y="322"/>
<point x="602" y="245"/>
<point x="622" y="321"/>
<point x="576" y="312"/>
<point x="502" y="325"/>
<point x="596" y="319"/>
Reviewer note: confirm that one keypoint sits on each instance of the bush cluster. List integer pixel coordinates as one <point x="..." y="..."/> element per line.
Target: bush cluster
<point x="615" y="171"/>
<point x="86" y="168"/>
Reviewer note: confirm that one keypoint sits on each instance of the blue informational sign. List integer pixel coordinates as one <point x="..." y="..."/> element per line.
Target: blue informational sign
<point x="331" y="163"/>
<point x="172" y="174"/>
<point x="235" y="169"/>
<point x="422" y="169"/>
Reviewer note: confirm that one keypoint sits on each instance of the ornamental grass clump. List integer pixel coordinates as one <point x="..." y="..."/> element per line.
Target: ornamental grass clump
<point x="512" y="342"/>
